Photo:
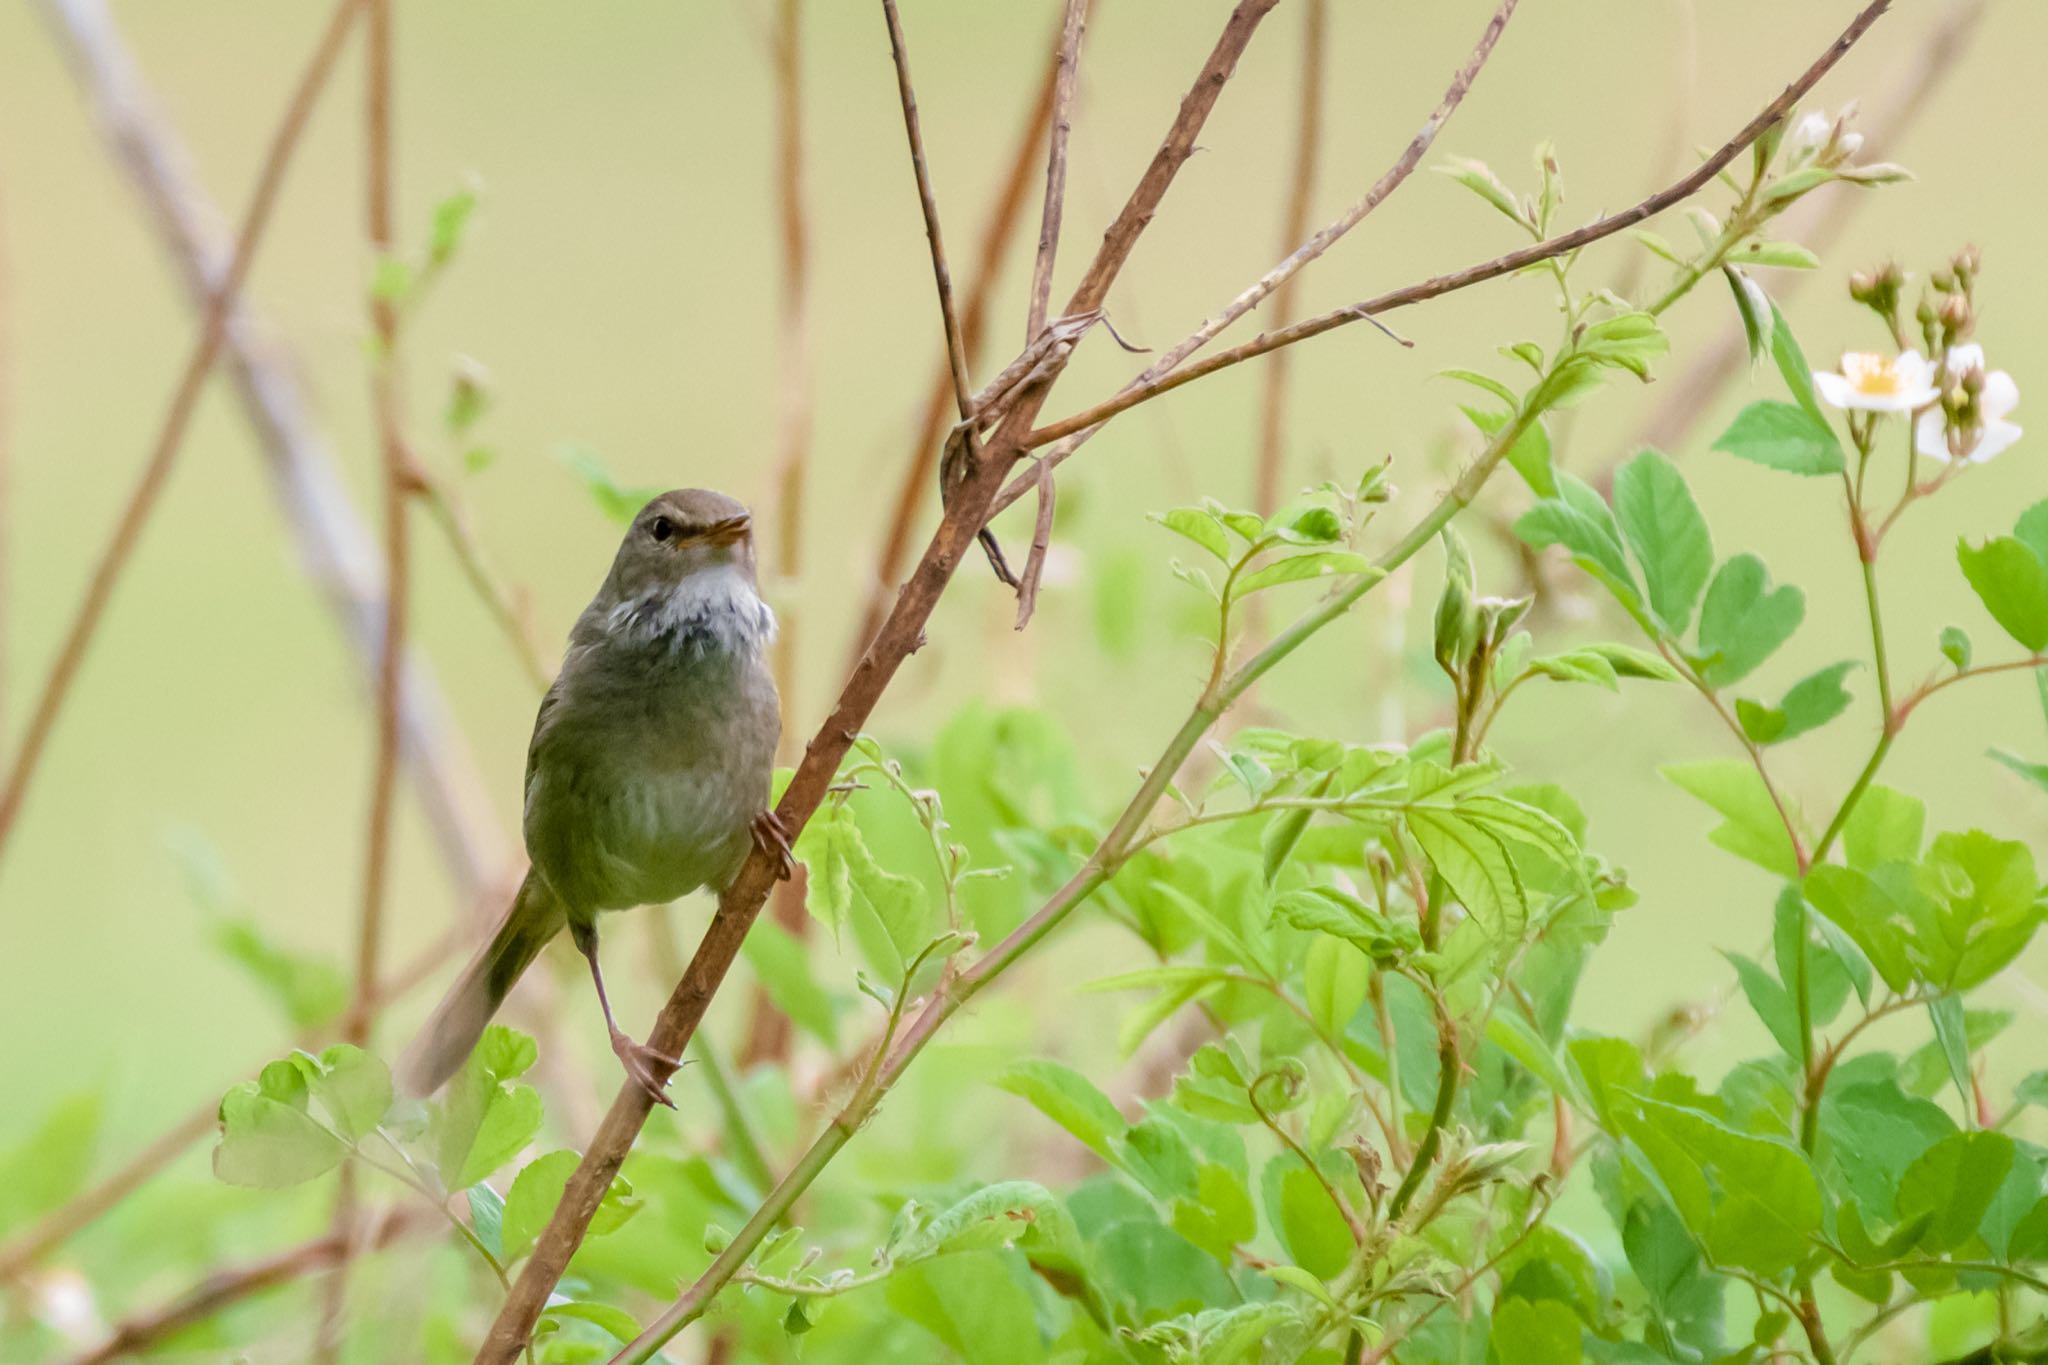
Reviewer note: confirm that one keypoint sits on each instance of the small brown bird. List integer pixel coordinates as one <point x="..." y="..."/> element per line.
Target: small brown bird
<point x="648" y="774"/>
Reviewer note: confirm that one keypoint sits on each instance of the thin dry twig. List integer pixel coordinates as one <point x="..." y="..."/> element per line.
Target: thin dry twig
<point x="769" y="1034"/>
<point x="1005" y="218"/>
<point x="6" y="467"/>
<point x="397" y="488"/>
<point x="1066" y="63"/>
<point x="900" y="635"/>
<point x="1818" y="221"/>
<point x="1066" y="67"/>
<point x="1156" y="375"/>
<point x="942" y="273"/>
<point x="1437" y="286"/>
<point x="1308" y="149"/>
<point x="224" y="1288"/>
<point x="335" y="549"/>
<point x="142" y="499"/>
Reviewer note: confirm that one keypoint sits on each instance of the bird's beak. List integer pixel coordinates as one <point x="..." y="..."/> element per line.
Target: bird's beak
<point x="728" y="532"/>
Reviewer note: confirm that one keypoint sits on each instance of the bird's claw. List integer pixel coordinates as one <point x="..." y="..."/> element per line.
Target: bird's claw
<point x="650" y="1070"/>
<point x="771" y="836"/>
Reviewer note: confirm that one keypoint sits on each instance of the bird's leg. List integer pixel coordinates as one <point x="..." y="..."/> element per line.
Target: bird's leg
<point x="771" y="836"/>
<point x="648" y="1068"/>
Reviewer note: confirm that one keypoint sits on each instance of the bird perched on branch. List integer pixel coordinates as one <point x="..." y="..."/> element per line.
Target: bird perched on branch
<point x="648" y="773"/>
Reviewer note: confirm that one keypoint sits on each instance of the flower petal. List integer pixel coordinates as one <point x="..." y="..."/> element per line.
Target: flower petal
<point x="1836" y="390"/>
<point x="1930" y="435"/>
<point x="2001" y="395"/>
<point x="1965" y="358"/>
<point x="1995" y="437"/>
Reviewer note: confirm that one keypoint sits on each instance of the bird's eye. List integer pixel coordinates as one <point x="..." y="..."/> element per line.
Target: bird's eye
<point x="662" y="528"/>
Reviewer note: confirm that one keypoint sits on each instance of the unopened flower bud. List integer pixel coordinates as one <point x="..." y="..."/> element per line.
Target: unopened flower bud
<point x="1973" y="381"/>
<point x="1968" y="263"/>
<point x="1943" y="281"/>
<point x="1955" y="315"/>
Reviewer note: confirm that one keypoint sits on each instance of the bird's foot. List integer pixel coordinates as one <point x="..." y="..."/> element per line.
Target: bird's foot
<point x="649" y="1069"/>
<point x="771" y="836"/>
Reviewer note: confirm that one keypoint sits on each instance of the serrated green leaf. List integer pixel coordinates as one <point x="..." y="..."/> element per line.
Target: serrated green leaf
<point x="1295" y="568"/>
<point x="1751" y="827"/>
<point x="1201" y="526"/>
<point x="1783" y="436"/>
<point x="2011" y="581"/>
<point x="1744" y="620"/>
<point x="1667" y="535"/>
<point x="268" y="1144"/>
<point x="1069" y="1099"/>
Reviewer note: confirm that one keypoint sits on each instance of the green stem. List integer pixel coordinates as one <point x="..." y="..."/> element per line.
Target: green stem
<point x="742" y="1142"/>
<point x="1450" y="1068"/>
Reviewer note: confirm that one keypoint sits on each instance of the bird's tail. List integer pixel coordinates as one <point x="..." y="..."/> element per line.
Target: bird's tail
<point x="451" y="1032"/>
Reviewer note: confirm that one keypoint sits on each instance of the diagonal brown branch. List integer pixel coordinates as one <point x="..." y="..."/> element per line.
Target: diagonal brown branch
<point x="1475" y="274"/>
<point x="1404" y="166"/>
<point x="899" y="637"/>
<point x="142" y="499"/>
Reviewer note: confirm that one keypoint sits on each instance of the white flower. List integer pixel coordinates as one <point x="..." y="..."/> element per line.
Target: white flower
<point x="1809" y="134"/>
<point x="1995" y="403"/>
<point x="1875" y="383"/>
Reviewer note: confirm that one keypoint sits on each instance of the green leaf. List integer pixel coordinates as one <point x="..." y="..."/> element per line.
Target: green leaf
<point x="311" y="990"/>
<point x="1886" y="826"/>
<point x="1310" y="526"/>
<point x="1952" y="1040"/>
<point x="1299" y="1208"/>
<point x="1667" y="535"/>
<point x="1334" y="911"/>
<point x="1296" y="568"/>
<point x="1474" y="862"/>
<point x="2012" y="582"/>
<point x="1579" y="520"/>
<point x="783" y="966"/>
<point x="1812" y="702"/>
<point x="1955" y="646"/>
<point x="1783" y="436"/>
<point x="270" y="1144"/>
<point x="538" y="1188"/>
<point x="1792" y="366"/>
<point x="1772" y="1002"/>
<point x="1751" y="827"/>
<point x="486" y="1114"/>
<point x="616" y="1323"/>
<point x="1201" y="526"/>
<point x="846" y="880"/>
<point x="351" y="1085"/>
<point x="1752" y="307"/>
<point x="1457" y="612"/>
<point x="1530" y="457"/>
<point x="451" y="220"/>
<point x="1069" y="1099"/>
<point x="1984" y="891"/>
<point x="1744" y="620"/>
<point x="1479" y="178"/>
<point x="1879" y="909"/>
<point x="1749" y="1201"/>
<point x="1630" y="662"/>
<point x="1535" y="1332"/>
<point x="1785" y="255"/>
<point x="1954" y="1182"/>
<point x="618" y="504"/>
<point x="1487" y="383"/>
<point x="2036" y="773"/>
<point x="487" y="1218"/>
<point x="1013" y="1213"/>
<point x="1334" y="980"/>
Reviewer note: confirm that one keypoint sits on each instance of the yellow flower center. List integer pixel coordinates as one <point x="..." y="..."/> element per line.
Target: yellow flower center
<point x="1873" y="375"/>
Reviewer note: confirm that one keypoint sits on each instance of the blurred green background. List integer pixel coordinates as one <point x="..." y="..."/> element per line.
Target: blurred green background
<point x="620" y="285"/>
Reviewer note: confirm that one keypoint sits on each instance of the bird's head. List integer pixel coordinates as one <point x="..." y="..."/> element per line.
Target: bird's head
<point x="680" y="535"/>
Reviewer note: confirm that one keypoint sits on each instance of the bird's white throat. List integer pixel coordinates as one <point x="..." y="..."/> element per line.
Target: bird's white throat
<point x="715" y="610"/>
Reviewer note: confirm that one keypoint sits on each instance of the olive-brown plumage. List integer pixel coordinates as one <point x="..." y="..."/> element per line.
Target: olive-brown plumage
<point x="648" y="773"/>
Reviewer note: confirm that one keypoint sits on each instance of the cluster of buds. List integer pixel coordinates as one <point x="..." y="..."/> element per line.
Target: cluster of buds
<point x="1880" y="291"/>
<point x="1959" y="406"/>
<point x="1822" y="141"/>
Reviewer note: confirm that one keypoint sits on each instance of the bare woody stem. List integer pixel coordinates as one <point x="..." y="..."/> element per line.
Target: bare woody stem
<point x="920" y="476"/>
<point x="1308" y="149"/>
<point x="1276" y="278"/>
<point x="1066" y="68"/>
<point x="900" y="635"/>
<point x="1513" y="261"/>
<point x="142" y="499"/>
